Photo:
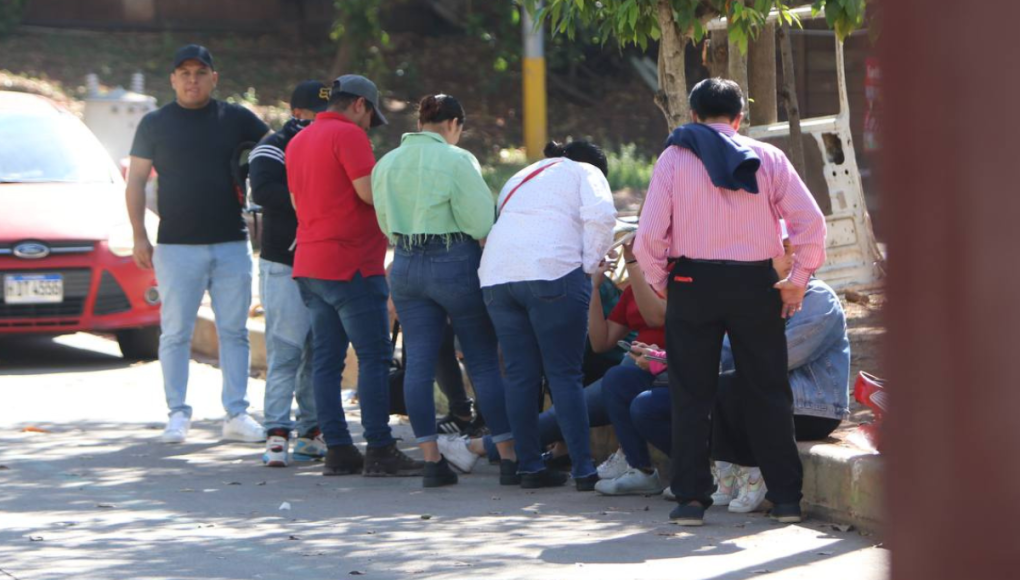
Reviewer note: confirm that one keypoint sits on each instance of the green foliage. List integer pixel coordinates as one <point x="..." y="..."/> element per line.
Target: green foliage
<point x="636" y="22"/>
<point x="10" y="15"/>
<point x="628" y="169"/>
<point x="359" y="23"/>
<point x="843" y="16"/>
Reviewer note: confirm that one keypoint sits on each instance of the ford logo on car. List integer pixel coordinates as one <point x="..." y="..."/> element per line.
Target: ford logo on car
<point x="31" y="251"/>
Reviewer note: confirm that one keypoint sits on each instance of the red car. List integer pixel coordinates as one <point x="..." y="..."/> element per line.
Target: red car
<point x="65" y="238"/>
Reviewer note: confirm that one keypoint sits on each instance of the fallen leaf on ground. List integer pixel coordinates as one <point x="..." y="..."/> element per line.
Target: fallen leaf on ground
<point x="370" y="532"/>
<point x="762" y="571"/>
<point x="294" y="538"/>
<point x="314" y="554"/>
<point x="105" y="505"/>
<point x="426" y="517"/>
<point x="261" y="483"/>
<point x="4" y="467"/>
<point x="35" y="538"/>
<point x="32" y="429"/>
<point x="231" y="483"/>
<point x="825" y="553"/>
<point x="356" y="573"/>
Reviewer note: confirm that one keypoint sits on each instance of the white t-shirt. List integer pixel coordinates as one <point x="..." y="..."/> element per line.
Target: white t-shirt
<point x="560" y="220"/>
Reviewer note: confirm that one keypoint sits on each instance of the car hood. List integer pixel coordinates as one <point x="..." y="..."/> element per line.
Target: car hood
<point x="60" y="211"/>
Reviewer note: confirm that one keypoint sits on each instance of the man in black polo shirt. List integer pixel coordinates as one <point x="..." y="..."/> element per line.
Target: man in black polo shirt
<point x="202" y="242"/>
<point x="288" y="323"/>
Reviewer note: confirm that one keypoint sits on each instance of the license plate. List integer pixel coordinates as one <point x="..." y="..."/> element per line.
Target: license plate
<point x="33" y="288"/>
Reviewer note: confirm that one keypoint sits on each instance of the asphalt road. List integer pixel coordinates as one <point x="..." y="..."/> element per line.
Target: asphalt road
<point x="87" y="492"/>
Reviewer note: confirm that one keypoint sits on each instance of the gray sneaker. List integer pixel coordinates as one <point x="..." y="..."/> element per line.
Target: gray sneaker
<point x="632" y="482"/>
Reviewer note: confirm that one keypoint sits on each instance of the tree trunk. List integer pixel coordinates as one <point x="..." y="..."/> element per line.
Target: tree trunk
<point x="789" y="93"/>
<point x="342" y="57"/>
<point x="737" y="72"/>
<point x="761" y="69"/>
<point x="672" y="95"/>
<point x="718" y="56"/>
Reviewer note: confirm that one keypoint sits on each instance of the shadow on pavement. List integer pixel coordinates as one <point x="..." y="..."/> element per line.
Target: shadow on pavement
<point x="107" y="501"/>
<point x="36" y="355"/>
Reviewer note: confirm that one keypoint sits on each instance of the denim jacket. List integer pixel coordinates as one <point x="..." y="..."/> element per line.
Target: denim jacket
<point x="819" y="355"/>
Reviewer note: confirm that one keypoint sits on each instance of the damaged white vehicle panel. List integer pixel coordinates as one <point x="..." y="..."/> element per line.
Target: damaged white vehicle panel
<point x="852" y="254"/>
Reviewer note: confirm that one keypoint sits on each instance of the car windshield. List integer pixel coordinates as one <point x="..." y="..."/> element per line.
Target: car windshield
<point x="40" y="147"/>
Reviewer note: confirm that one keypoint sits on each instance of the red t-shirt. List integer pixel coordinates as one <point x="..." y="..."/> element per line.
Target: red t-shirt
<point x="338" y="234"/>
<point x="626" y="313"/>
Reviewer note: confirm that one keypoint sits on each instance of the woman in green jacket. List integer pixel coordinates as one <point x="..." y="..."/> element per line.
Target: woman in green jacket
<point x="433" y="204"/>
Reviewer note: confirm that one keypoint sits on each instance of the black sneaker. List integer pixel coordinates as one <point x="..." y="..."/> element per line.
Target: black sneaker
<point x="438" y="474"/>
<point x="786" y="513"/>
<point x="343" y="460"/>
<point x="587" y="483"/>
<point x="508" y="473"/>
<point x="688" y="514"/>
<point x="560" y="463"/>
<point x="452" y="425"/>
<point x="388" y="461"/>
<point x="544" y="478"/>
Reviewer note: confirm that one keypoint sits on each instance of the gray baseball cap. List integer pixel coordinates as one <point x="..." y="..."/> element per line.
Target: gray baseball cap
<point x="362" y="87"/>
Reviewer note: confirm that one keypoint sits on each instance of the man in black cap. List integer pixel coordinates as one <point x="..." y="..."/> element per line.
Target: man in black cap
<point x="202" y="242"/>
<point x="288" y="323"/>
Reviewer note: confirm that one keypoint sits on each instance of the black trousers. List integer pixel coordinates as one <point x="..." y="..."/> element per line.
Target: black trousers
<point x="707" y="301"/>
<point x="730" y="441"/>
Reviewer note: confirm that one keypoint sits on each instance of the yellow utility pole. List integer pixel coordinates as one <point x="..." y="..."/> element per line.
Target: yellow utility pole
<point x="536" y="132"/>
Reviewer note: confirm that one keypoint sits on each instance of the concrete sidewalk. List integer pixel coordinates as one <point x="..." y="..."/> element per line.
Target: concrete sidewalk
<point x="842" y="483"/>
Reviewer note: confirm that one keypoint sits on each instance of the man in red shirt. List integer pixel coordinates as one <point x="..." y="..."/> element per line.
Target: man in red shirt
<point x="714" y="205"/>
<point x="339" y="268"/>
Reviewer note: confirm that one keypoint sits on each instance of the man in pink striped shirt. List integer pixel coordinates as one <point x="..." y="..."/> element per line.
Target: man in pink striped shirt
<point x="708" y="232"/>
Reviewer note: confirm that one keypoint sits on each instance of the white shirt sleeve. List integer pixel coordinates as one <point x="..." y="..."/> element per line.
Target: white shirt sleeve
<point x="598" y="216"/>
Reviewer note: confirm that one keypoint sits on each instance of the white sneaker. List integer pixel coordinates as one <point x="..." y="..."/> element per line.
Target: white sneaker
<point x="726" y="483"/>
<point x="243" y="428"/>
<point x="276" y="451"/>
<point x="176" y="428"/>
<point x="632" y="482"/>
<point x="667" y="494"/>
<point x="455" y="450"/>
<point x="751" y="493"/>
<point x="613" y="467"/>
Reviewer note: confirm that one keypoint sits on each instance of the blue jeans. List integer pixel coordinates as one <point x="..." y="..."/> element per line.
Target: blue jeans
<point x="549" y="426"/>
<point x="432" y="282"/>
<point x="543" y="325"/>
<point x="288" y="349"/>
<point x="621" y="386"/>
<point x="184" y="272"/>
<point x="650" y="413"/>
<point x="345" y="313"/>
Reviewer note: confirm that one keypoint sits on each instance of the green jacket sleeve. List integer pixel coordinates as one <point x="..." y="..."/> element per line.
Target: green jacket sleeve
<point x="474" y="209"/>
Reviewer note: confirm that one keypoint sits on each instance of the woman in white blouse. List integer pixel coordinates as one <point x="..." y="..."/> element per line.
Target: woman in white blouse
<point x="555" y="224"/>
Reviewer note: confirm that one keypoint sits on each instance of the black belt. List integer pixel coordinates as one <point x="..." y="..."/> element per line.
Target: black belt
<point x="759" y="263"/>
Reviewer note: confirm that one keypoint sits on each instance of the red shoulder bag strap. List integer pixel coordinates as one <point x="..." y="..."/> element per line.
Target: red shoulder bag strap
<point x="525" y="180"/>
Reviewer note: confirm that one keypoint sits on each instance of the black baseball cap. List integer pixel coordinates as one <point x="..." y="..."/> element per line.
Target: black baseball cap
<point x="193" y="52"/>
<point x="311" y="95"/>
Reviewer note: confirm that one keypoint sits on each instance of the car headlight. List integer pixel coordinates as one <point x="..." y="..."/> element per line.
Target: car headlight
<point x="122" y="238"/>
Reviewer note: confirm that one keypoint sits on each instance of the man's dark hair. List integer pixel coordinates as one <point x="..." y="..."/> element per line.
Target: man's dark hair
<point x="717" y="97"/>
<point x="341" y="101"/>
<point x="580" y="151"/>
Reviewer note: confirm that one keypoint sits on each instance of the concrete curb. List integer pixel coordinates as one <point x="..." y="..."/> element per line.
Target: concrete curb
<point x="841" y="483"/>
